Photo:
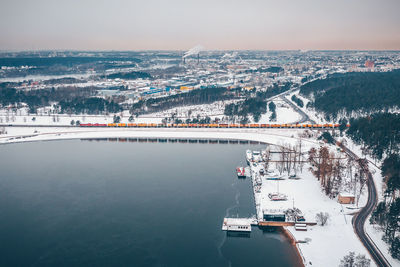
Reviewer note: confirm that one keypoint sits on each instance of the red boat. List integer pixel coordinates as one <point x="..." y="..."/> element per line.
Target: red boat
<point x="241" y="172"/>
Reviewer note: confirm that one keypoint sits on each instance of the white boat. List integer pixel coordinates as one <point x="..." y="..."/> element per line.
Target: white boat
<point x="249" y="156"/>
<point x="273" y="175"/>
<point x="277" y="196"/>
<point x="241" y="173"/>
<point x="257" y="156"/>
<point x="247" y="171"/>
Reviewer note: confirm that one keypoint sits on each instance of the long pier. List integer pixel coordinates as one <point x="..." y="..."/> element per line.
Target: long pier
<point x="177" y="140"/>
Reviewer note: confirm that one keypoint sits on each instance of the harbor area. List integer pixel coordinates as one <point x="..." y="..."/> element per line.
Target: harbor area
<point x="276" y="199"/>
<point x="293" y="199"/>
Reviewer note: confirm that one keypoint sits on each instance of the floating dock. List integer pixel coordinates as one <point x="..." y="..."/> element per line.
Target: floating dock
<point x="238" y="224"/>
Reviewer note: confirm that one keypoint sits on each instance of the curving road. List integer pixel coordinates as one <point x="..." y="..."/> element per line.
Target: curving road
<point x="304" y="116"/>
<point x="359" y="219"/>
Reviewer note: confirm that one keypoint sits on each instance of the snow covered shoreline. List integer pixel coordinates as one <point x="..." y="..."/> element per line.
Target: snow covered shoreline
<point x="29" y="134"/>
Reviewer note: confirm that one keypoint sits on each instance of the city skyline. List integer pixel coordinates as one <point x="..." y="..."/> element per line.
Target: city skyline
<point x="179" y="25"/>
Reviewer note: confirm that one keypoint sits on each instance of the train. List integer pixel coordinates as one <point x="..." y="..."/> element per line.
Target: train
<point x="211" y="125"/>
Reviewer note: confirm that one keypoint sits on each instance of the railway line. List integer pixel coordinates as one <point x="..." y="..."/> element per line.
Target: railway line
<point x="212" y="125"/>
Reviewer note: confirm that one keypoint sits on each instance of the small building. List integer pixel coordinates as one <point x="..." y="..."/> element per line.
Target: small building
<point x="346" y="198"/>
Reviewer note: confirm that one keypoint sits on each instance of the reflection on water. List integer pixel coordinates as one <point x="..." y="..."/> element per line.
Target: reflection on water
<point x="238" y="234"/>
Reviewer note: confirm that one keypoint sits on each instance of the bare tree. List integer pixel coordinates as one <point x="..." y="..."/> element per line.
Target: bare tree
<point x="351" y="260"/>
<point x="322" y="218"/>
<point x="266" y="158"/>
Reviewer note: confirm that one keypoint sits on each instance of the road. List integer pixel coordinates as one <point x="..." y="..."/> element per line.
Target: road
<point x="282" y="96"/>
<point x="359" y="219"/>
<point x="304" y="116"/>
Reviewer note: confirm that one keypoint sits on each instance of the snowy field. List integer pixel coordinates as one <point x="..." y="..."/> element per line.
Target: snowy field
<point x="284" y="114"/>
<point x="22" y="118"/>
<point x="192" y="111"/>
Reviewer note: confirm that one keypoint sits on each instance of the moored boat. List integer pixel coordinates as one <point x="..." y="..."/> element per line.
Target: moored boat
<point x="249" y="156"/>
<point x="241" y="173"/>
<point x="273" y="175"/>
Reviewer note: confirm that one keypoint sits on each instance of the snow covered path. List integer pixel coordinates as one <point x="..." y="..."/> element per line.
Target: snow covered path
<point x="271" y="136"/>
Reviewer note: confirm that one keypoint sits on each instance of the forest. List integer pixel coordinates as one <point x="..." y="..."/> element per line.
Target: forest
<point x="251" y="106"/>
<point x="354" y="91"/>
<point x="379" y="133"/>
<point x="387" y="212"/>
<point x="92" y="105"/>
<point x="41" y="98"/>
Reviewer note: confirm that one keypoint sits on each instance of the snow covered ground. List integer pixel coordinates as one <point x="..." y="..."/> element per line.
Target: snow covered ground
<point x="326" y="245"/>
<point x="22" y="118"/>
<point x="210" y="110"/>
<point x="284" y="114"/>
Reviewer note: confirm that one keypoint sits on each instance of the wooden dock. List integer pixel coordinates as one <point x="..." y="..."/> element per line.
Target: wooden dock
<point x="273" y="223"/>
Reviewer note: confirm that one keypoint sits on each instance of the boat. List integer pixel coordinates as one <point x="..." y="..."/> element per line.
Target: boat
<point x="257" y="156"/>
<point x="241" y="173"/>
<point x="249" y="156"/>
<point x="247" y="171"/>
<point x="273" y="175"/>
<point x="277" y="196"/>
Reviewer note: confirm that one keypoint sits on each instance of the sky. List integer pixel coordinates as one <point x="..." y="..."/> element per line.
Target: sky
<point x="215" y="24"/>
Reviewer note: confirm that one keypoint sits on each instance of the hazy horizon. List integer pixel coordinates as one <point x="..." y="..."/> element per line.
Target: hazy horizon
<point x="176" y="25"/>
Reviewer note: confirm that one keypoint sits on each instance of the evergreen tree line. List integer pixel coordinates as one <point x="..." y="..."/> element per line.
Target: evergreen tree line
<point x="92" y="105"/>
<point x="355" y="91"/>
<point x="133" y="75"/>
<point x="379" y="133"/>
<point x="297" y="100"/>
<point x="387" y="212"/>
<point x="272" y="109"/>
<point x="250" y="106"/>
<point x="41" y="98"/>
<point x="274" y="69"/>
